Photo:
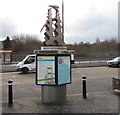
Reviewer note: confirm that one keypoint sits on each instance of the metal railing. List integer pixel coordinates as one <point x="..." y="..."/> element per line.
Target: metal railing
<point x="17" y="57"/>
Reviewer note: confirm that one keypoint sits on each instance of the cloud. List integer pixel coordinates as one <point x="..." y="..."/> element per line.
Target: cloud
<point x="90" y="28"/>
<point x="84" y="20"/>
<point x="7" y="27"/>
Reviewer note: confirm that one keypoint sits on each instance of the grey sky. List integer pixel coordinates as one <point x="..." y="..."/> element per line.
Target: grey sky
<point x="9" y="28"/>
<point x="92" y="28"/>
<point x="84" y="20"/>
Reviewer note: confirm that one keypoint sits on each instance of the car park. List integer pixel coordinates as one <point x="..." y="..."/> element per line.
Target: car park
<point x="114" y="63"/>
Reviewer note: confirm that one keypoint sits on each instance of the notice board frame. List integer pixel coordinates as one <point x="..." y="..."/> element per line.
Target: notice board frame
<point x="55" y="68"/>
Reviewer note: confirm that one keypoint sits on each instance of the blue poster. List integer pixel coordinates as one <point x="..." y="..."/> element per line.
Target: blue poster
<point x="63" y="70"/>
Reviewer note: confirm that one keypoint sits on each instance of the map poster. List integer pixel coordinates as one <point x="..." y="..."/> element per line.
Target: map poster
<point x="64" y="70"/>
<point x="45" y="70"/>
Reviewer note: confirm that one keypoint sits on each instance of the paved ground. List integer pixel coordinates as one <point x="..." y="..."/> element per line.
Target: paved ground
<point x="27" y="96"/>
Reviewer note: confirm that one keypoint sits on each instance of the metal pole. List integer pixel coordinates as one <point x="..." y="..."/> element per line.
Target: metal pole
<point x="84" y="87"/>
<point x="63" y="20"/>
<point x="10" y="94"/>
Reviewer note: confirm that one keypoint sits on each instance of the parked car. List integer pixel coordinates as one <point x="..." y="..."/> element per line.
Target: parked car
<point x="114" y="63"/>
<point x="27" y="64"/>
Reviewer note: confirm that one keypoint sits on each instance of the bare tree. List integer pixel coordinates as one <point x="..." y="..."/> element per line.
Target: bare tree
<point x="26" y="43"/>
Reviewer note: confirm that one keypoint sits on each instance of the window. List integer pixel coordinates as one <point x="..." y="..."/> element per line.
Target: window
<point x="30" y="59"/>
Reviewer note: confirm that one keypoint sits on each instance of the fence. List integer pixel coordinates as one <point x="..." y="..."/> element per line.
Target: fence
<point x="17" y="57"/>
<point x="95" y="56"/>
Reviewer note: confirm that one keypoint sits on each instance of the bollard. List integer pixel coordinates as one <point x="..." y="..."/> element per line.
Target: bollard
<point x="10" y="94"/>
<point x="84" y="87"/>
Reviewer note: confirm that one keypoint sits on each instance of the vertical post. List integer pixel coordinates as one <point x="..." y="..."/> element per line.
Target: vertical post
<point x="10" y="57"/>
<point x="84" y="87"/>
<point x="10" y="94"/>
<point x="4" y="57"/>
<point x="63" y="20"/>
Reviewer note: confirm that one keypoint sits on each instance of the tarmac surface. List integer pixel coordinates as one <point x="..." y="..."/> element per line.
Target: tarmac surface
<point x="100" y="97"/>
<point x="95" y="103"/>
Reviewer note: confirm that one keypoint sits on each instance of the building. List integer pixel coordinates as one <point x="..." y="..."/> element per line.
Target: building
<point x="5" y="53"/>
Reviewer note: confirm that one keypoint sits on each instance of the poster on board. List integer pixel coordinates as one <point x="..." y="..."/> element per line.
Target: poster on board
<point x="53" y="69"/>
<point x="45" y="70"/>
<point x="64" y="70"/>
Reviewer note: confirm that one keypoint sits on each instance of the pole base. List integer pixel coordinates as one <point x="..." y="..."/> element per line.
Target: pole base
<point x="53" y="94"/>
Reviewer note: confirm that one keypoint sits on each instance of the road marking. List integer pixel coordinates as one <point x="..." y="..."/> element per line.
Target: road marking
<point x="6" y="101"/>
<point x="13" y="76"/>
<point x="9" y="73"/>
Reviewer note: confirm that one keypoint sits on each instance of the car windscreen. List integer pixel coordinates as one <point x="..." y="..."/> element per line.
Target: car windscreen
<point x="116" y="59"/>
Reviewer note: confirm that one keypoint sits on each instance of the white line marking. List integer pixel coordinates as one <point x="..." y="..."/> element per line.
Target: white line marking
<point x="9" y="73"/>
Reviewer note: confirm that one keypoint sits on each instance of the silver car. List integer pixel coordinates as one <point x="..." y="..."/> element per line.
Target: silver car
<point x="114" y="63"/>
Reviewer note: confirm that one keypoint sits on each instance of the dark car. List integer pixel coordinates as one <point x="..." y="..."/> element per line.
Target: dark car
<point x="114" y="63"/>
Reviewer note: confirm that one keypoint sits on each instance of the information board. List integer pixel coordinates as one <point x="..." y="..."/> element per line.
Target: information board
<point x="53" y="69"/>
<point x="46" y="70"/>
<point x="64" y="69"/>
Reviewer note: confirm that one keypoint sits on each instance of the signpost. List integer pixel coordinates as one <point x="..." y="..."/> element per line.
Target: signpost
<point x="53" y="61"/>
<point x="53" y="72"/>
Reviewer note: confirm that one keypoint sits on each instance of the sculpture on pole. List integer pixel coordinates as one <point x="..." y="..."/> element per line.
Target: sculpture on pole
<point x="53" y="31"/>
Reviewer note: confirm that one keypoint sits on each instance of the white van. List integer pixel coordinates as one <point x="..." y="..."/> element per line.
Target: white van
<point x="27" y="64"/>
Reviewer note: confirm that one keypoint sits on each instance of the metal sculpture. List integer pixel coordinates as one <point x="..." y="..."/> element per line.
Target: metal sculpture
<point x="53" y="34"/>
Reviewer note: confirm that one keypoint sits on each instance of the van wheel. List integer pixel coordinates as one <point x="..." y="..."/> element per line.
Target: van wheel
<point x="25" y="70"/>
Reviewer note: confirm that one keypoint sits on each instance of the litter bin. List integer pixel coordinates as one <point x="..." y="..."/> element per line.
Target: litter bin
<point x="116" y="85"/>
